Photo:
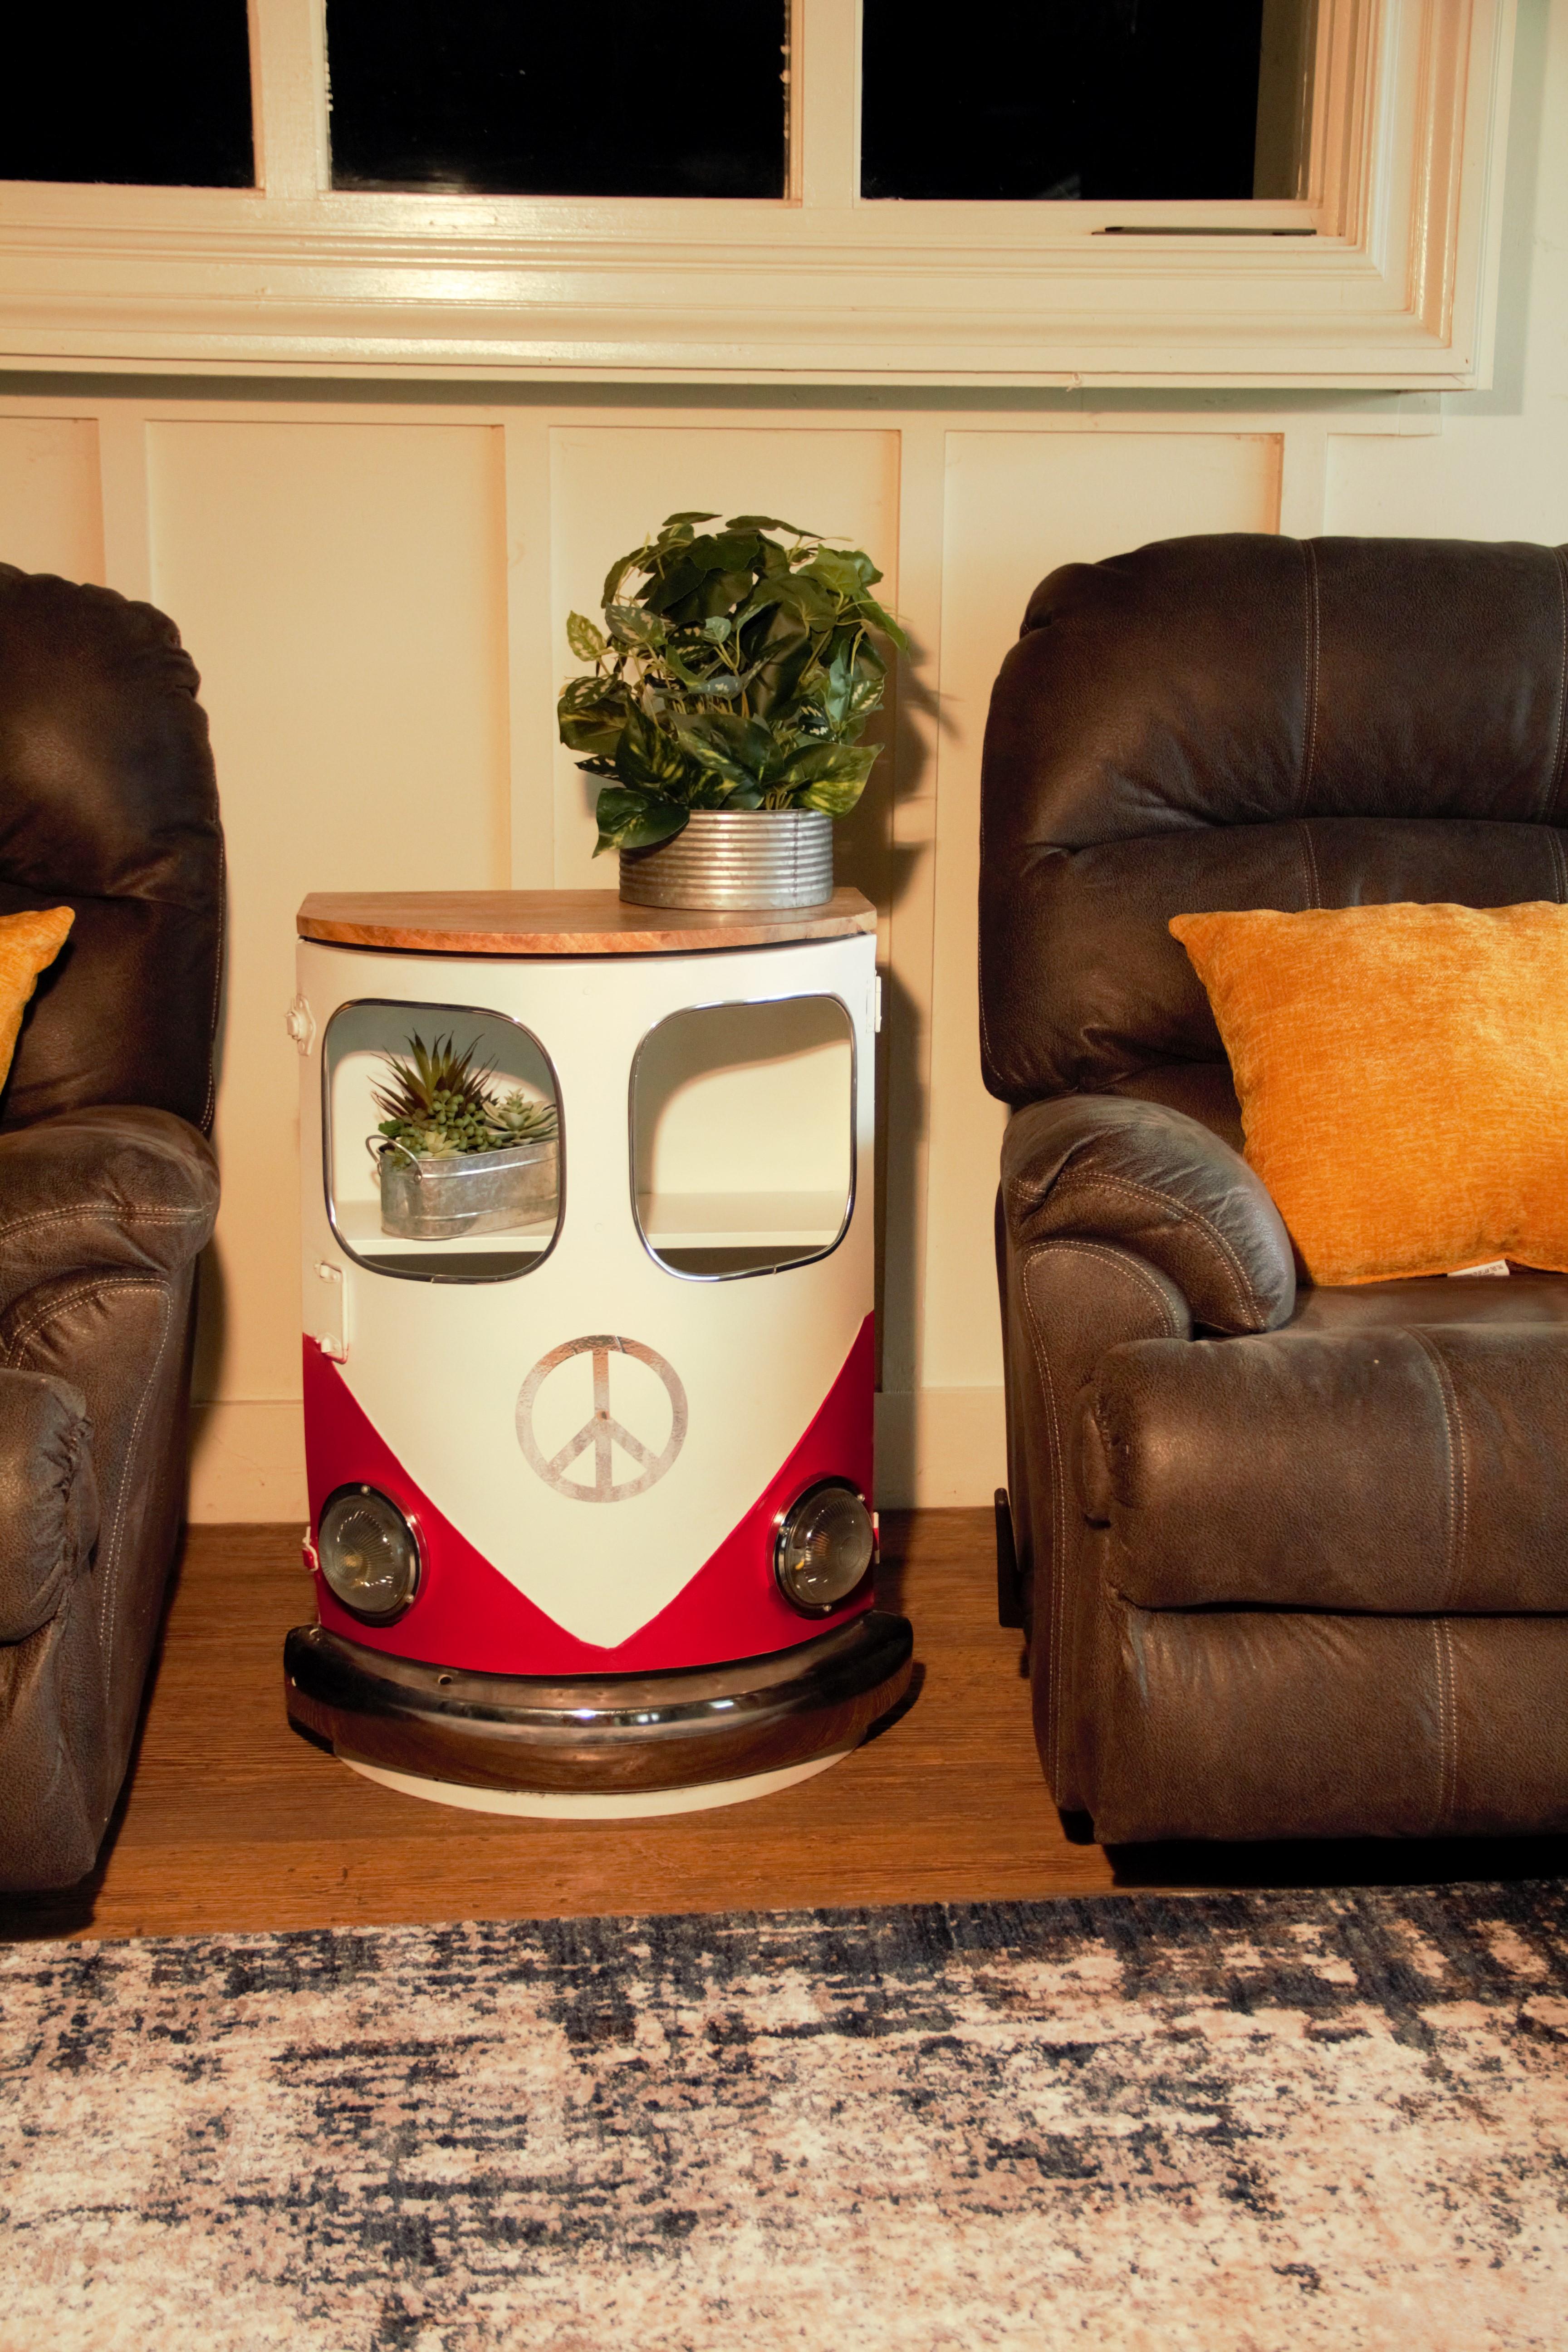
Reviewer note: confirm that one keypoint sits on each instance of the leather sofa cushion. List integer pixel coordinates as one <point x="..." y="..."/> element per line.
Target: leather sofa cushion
<point x="1244" y="720"/>
<point x="1363" y="1466"/>
<point x="109" y="805"/>
<point x="1402" y="1074"/>
<point x="114" y="1186"/>
<point x="1104" y="1168"/>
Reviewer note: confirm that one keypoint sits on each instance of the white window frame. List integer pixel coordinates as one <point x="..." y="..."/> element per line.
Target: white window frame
<point x="1393" y="290"/>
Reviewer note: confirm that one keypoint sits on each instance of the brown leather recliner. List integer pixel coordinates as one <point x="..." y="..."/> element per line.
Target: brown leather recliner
<point x="1293" y="1561"/>
<point x="108" y="1188"/>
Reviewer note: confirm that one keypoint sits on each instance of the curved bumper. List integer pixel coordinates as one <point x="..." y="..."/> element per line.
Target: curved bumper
<point x="615" y="1733"/>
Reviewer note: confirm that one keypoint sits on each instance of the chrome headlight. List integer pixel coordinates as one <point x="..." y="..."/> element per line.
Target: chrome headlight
<point x="369" y="1554"/>
<point x="825" y="1546"/>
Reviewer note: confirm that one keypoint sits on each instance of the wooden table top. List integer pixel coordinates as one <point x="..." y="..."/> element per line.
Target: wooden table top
<point x="560" y="922"/>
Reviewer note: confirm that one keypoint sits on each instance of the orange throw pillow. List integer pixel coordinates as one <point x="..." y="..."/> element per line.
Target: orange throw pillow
<point x="28" y="945"/>
<point x="1403" y="1076"/>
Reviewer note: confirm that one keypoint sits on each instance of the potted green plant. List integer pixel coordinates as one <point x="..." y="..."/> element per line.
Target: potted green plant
<point x="731" y="682"/>
<point x="453" y="1156"/>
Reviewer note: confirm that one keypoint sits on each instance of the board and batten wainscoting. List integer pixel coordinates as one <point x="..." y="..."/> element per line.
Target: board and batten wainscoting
<point x="375" y="579"/>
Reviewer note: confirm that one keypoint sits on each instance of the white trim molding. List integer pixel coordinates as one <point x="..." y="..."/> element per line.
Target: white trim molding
<point x="938" y="1447"/>
<point x="1381" y="276"/>
<point x="247" y="1463"/>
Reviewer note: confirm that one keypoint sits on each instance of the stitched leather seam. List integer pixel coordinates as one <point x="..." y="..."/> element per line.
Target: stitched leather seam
<point x="1309" y="859"/>
<point x="1059" y="1479"/>
<point x="110" y="1580"/>
<point x="100" y="1215"/>
<point x="46" y="1313"/>
<point x="1059" y="1464"/>
<point x="1059" y="1528"/>
<point x="104" y="1209"/>
<point x="1312" y="656"/>
<point x="1447" y="1713"/>
<point x="1559" y="863"/>
<point x="1124" y="1264"/>
<point x="1440" y="1685"/>
<point x="1240" y="1280"/>
<point x="1558" y="737"/>
<point x="1450" y="1787"/>
<point x="1459" y="1483"/>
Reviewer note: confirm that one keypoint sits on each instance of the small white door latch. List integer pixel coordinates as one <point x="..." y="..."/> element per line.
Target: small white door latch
<point x="331" y="1318"/>
<point x="301" y="1023"/>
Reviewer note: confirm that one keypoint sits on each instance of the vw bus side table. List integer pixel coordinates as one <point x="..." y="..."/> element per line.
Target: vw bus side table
<point x="590" y="1482"/>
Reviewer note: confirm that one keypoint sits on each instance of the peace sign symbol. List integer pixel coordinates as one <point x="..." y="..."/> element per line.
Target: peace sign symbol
<point x="602" y="1431"/>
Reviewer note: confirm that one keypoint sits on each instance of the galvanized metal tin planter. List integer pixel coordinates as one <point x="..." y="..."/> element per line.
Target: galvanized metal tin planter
<point x="740" y="858"/>
<point x="441" y="1197"/>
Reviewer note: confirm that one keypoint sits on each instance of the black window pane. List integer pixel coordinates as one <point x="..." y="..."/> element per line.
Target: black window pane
<point x="503" y="99"/>
<point x="155" y="94"/>
<point x="1061" y="98"/>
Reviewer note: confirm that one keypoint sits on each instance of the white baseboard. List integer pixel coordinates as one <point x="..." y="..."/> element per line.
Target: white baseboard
<point x="937" y="1446"/>
<point x="248" y="1462"/>
<point x="934" y="1446"/>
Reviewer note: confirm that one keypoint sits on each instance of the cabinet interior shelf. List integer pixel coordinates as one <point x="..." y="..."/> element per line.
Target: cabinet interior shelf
<point x="741" y="1220"/>
<point x="802" y="1221"/>
<point x="359" y="1224"/>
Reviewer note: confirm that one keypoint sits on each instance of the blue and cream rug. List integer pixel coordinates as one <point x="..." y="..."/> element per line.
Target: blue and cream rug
<point x="1233" y="2123"/>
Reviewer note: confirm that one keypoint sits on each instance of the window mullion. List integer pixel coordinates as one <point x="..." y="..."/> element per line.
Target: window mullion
<point x="289" y="94"/>
<point x="825" y="94"/>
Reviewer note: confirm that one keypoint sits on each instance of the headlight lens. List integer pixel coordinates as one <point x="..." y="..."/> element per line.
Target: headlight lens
<point x="369" y="1554"/>
<point x="826" y="1544"/>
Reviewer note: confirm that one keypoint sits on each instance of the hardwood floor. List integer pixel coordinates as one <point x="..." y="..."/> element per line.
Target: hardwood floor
<point x="232" y="1821"/>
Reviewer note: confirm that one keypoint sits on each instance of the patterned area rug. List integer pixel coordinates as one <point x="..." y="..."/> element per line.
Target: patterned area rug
<point x="1232" y="2123"/>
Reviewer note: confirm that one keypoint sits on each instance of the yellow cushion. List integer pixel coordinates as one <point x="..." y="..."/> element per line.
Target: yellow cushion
<point x="1403" y="1076"/>
<point x="28" y="945"/>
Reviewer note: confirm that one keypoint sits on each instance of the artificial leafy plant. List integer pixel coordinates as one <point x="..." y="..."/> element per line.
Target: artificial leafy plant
<point x="436" y="1104"/>
<point x="735" y="670"/>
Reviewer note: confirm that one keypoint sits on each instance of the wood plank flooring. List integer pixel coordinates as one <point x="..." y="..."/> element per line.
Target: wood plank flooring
<point x="231" y="1821"/>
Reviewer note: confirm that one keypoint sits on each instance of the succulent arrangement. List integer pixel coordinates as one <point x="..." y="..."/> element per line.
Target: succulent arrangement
<point x="438" y="1104"/>
<point x="735" y="670"/>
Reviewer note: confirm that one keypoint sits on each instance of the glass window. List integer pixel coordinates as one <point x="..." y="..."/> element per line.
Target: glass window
<point x="621" y="99"/>
<point x="442" y="1142"/>
<point x="743" y="1135"/>
<point x="157" y="94"/>
<point x="1085" y="99"/>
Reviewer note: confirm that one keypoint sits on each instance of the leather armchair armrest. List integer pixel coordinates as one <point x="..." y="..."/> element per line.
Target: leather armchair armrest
<point x="48" y="1498"/>
<point x="117" y="1185"/>
<point x="1156" y="1183"/>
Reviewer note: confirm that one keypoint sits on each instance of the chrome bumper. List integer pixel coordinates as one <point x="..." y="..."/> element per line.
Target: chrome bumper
<point x="619" y="1732"/>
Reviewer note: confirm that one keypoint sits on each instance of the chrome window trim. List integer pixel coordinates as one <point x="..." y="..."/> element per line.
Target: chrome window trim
<point x="479" y="1013"/>
<point x="720" y="1003"/>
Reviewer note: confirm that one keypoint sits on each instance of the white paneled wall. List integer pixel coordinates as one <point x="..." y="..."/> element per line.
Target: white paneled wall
<point x="373" y="583"/>
<point x="609" y="484"/>
<point x="343" y="589"/>
<point x="50" y="511"/>
<point x="376" y="594"/>
<point x="1017" y="505"/>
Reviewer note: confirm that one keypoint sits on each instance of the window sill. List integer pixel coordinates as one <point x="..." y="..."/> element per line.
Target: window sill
<point x="1394" y="290"/>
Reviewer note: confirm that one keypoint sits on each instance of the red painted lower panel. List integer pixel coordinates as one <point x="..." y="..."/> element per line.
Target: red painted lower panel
<point x="467" y="1614"/>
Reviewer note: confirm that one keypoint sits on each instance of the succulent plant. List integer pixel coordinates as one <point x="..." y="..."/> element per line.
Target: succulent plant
<point x="519" y="1119"/>
<point x="437" y="1103"/>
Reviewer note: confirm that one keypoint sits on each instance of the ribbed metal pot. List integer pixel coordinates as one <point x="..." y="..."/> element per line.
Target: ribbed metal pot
<point x="440" y="1197"/>
<point x="740" y="858"/>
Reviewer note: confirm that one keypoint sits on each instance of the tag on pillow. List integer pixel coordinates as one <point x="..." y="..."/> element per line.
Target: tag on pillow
<point x="1493" y="1265"/>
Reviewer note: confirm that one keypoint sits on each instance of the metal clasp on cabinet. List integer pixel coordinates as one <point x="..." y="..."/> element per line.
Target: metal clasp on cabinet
<point x="331" y="1318"/>
<point x="301" y="1023"/>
